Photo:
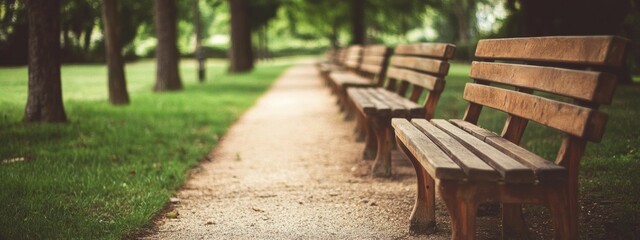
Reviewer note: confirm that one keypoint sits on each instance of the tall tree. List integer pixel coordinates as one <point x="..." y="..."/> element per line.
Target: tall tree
<point x="44" y="100"/>
<point x="199" y="52"/>
<point x="461" y="9"/>
<point x="241" y="55"/>
<point x="260" y="13"/>
<point x="167" y="58"/>
<point x="115" y="65"/>
<point x="359" y="31"/>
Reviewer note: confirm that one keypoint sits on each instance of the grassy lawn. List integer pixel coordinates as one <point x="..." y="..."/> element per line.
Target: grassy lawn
<point x="609" y="170"/>
<point x="110" y="169"/>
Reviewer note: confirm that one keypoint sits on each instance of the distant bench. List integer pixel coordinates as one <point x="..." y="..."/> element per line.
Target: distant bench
<point x="470" y="165"/>
<point x="333" y="61"/>
<point x="414" y="68"/>
<point x="368" y="69"/>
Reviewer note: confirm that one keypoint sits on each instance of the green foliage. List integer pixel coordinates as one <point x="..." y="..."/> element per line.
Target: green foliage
<point x="395" y="17"/>
<point x="108" y="171"/>
<point x="317" y="19"/>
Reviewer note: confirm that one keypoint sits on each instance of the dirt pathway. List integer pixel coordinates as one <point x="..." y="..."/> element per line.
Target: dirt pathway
<point x="290" y="168"/>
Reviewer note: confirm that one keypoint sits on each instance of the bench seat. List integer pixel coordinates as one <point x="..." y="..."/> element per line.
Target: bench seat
<point x="378" y="101"/>
<point x="329" y="67"/>
<point x="346" y="79"/>
<point x="461" y="151"/>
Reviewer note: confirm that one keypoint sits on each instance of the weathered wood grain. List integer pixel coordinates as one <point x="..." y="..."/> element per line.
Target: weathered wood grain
<point x="426" y="81"/>
<point x="572" y="119"/>
<point x="436" y="162"/>
<point x="593" y="50"/>
<point x="435" y="50"/>
<point x="585" y="85"/>
<point x="428" y="65"/>
<point x="474" y="167"/>
<point x="510" y="170"/>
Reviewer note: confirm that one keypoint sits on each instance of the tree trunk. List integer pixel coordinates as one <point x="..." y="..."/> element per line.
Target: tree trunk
<point x="358" y="29"/>
<point x="44" y="100"/>
<point x="463" y="21"/>
<point x="241" y="55"/>
<point x="115" y="65"/>
<point x="267" y="53"/>
<point x="199" y="53"/>
<point x="167" y="75"/>
<point x="262" y="50"/>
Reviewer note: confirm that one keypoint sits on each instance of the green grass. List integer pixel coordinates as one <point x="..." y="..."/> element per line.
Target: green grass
<point x="110" y="169"/>
<point x="609" y="170"/>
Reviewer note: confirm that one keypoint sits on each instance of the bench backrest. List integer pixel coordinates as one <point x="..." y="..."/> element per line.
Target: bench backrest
<point x="352" y="57"/>
<point x="421" y="66"/>
<point x="374" y="63"/>
<point x="560" y="66"/>
<point x="333" y="55"/>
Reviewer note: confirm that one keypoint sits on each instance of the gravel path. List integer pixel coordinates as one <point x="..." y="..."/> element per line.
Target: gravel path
<point x="290" y="168"/>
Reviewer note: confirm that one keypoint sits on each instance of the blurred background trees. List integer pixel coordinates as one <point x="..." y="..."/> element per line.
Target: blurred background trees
<point x="286" y="27"/>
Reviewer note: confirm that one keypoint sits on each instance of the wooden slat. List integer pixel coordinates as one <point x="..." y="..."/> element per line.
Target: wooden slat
<point x="422" y="64"/>
<point x="426" y="81"/>
<point x="511" y="170"/>
<point x="402" y="109"/>
<point x="413" y="108"/>
<point x="546" y="171"/>
<point x="585" y="85"/>
<point x="359" y="99"/>
<point x="373" y="60"/>
<point x="596" y="50"/>
<point x="436" y="50"/>
<point x="379" y="49"/>
<point x="476" y="131"/>
<point x="435" y="162"/>
<point x="568" y="118"/>
<point x="474" y="167"/>
<point x="397" y="109"/>
<point x="379" y="106"/>
<point x="374" y="69"/>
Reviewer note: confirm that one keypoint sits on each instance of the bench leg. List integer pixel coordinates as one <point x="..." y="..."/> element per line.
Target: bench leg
<point x="462" y="209"/>
<point x="361" y="128"/>
<point x="370" y="143"/>
<point x="423" y="216"/>
<point x="513" y="224"/>
<point x="561" y="216"/>
<point x="382" y="128"/>
<point x="345" y="105"/>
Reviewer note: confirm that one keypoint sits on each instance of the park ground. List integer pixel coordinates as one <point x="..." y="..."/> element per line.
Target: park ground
<point x="112" y="170"/>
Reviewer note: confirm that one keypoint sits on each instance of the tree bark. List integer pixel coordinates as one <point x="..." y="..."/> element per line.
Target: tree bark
<point x="115" y="65"/>
<point x="357" y="22"/>
<point x="241" y="55"/>
<point x="44" y="100"/>
<point x="167" y="58"/>
<point x="199" y="53"/>
<point x="463" y="21"/>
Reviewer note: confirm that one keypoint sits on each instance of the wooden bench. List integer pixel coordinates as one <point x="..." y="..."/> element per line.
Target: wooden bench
<point x="470" y="165"/>
<point x="368" y="70"/>
<point x="415" y="67"/>
<point x="334" y="61"/>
